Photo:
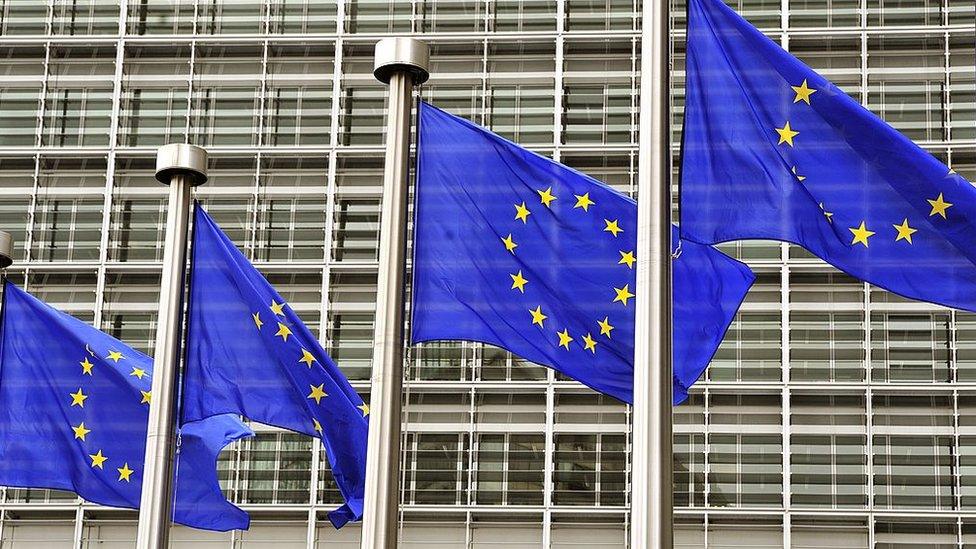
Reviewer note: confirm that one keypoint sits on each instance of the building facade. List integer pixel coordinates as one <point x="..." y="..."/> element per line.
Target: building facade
<point x="835" y="415"/>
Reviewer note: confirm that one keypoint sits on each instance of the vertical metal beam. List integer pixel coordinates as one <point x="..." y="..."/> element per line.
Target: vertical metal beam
<point x="401" y="63"/>
<point x="181" y="167"/>
<point x="651" y="472"/>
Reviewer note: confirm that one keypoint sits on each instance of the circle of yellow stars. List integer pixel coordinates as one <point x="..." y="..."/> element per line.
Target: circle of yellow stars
<point x="862" y="233"/>
<point x="78" y="398"/>
<point x="519" y="280"/>
<point x="278" y="319"/>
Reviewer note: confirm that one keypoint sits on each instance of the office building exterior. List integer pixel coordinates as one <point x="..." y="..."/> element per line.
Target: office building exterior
<point x="834" y="415"/>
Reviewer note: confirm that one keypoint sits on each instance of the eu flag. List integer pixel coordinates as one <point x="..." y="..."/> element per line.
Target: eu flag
<point x="521" y="252"/>
<point x="249" y="353"/>
<point x="772" y="150"/>
<point x="74" y="408"/>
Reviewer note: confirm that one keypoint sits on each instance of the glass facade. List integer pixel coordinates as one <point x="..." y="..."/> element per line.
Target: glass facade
<point x="834" y="415"/>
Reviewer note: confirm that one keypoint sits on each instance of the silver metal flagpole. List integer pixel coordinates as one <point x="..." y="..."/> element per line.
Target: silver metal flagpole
<point x="651" y="458"/>
<point x="401" y="63"/>
<point x="181" y="167"/>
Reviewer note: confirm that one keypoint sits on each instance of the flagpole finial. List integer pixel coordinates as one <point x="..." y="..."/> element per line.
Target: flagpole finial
<point x="6" y="249"/>
<point x="399" y="54"/>
<point x="181" y="159"/>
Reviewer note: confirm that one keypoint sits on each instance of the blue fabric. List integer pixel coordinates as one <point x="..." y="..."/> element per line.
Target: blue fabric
<point x="854" y="174"/>
<point x="48" y="437"/>
<point x="471" y="186"/>
<point x="250" y="354"/>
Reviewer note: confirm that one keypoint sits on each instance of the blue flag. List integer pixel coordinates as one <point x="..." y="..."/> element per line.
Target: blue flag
<point x="519" y="251"/>
<point x="250" y="354"/>
<point x="74" y="409"/>
<point x="772" y="150"/>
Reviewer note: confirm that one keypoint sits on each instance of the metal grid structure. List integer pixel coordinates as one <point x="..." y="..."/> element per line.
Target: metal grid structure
<point x="835" y="414"/>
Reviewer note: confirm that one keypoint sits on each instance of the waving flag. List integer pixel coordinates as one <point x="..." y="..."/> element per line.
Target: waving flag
<point x="250" y="354"/>
<point x="74" y="409"/>
<point x="519" y="251"/>
<point x="772" y="150"/>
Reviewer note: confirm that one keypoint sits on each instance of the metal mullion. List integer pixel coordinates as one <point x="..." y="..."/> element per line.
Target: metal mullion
<point x="706" y="449"/>
<point x="557" y="103"/>
<point x="313" y="492"/>
<point x="458" y="464"/>
<point x="957" y="452"/>
<point x="110" y="167"/>
<point x="331" y="190"/>
<point x="549" y="466"/>
<point x="487" y="103"/>
<point x="597" y="468"/>
<point x="262" y="99"/>
<point x="473" y="447"/>
<point x="946" y="99"/>
<point x="190" y="85"/>
<point x="277" y="468"/>
<point x="79" y="523"/>
<point x="869" y="410"/>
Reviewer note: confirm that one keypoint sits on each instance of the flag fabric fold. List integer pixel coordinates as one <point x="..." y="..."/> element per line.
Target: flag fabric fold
<point x="74" y="410"/>
<point x="518" y="251"/>
<point x="248" y="353"/>
<point x="772" y="150"/>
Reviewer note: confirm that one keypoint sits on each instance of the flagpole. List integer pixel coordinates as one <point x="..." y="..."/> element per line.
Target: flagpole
<point x="651" y="457"/>
<point x="401" y="63"/>
<point x="181" y="167"/>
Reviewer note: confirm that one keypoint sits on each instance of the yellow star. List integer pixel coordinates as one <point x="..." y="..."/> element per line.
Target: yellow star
<point x="257" y="320"/>
<point x="80" y="431"/>
<point x="97" y="459"/>
<point x="546" y="196"/>
<point x="510" y="244"/>
<point x="537" y="316"/>
<point x="861" y="234"/>
<point x="904" y="231"/>
<point x="283" y="331"/>
<point x="78" y="399"/>
<point x="146" y="397"/>
<point x="138" y="372"/>
<point x="612" y="227"/>
<point x="605" y="327"/>
<point x="799" y="177"/>
<point x="317" y="393"/>
<point x="124" y="472"/>
<point x="939" y="206"/>
<point x="307" y="358"/>
<point x="786" y="134"/>
<point x="521" y="212"/>
<point x="277" y="308"/>
<point x="316" y="425"/>
<point x="115" y="355"/>
<point x="803" y="93"/>
<point x="518" y="281"/>
<point x="583" y="201"/>
<point x="364" y="408"/>
<point x="627" y="258"/>
<point x="623" y="294"/>
<point x="86" y="367"/>
<point x="589" y="343"/>
<point x="827" y="214"/>
<point x="564" y="339"/>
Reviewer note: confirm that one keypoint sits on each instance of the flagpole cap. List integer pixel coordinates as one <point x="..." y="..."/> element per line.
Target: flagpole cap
<point x="6" y="249"/>
<point x="400" y="54"/>
<point x="181" y="159"/>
